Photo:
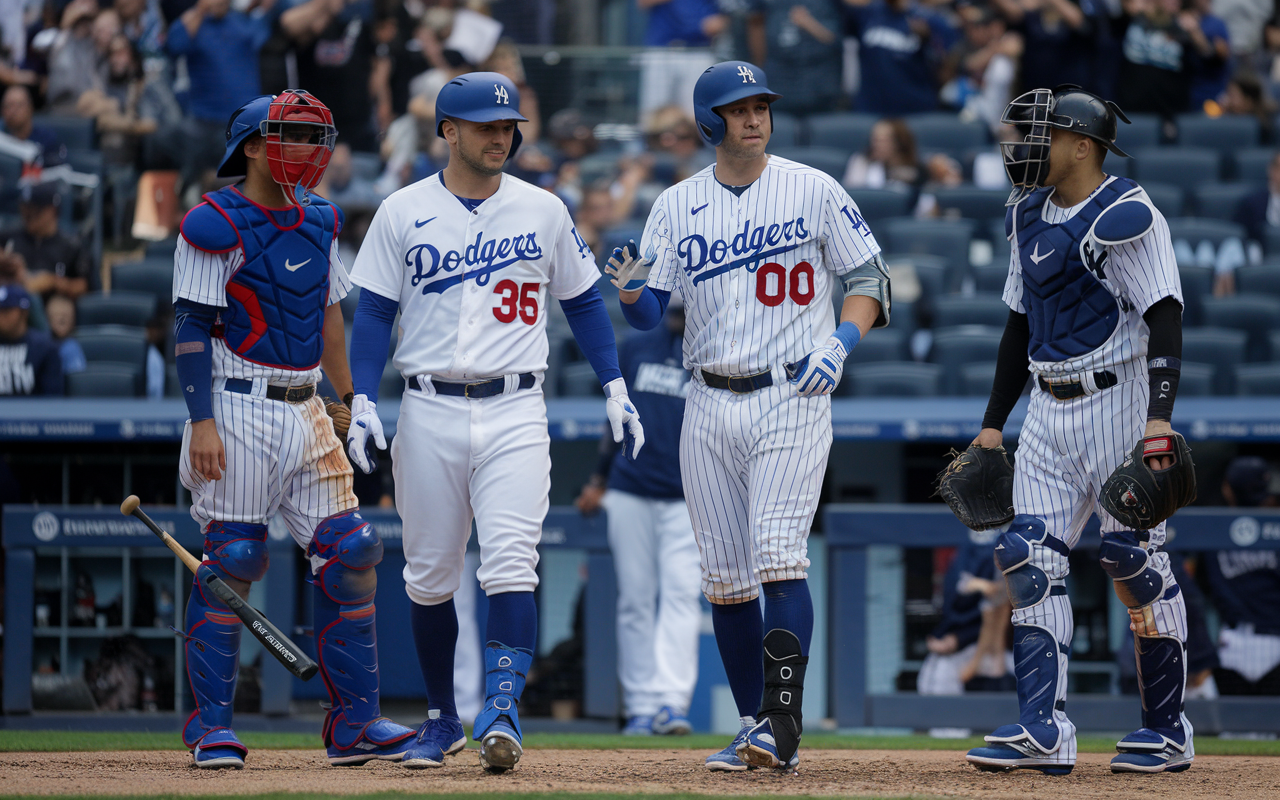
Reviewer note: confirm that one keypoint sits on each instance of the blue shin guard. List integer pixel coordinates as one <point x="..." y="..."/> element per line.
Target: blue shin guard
<point x="237" y="552"/>
<point x="343" y="553"/>
<point x="1164" y="742"/>
<point x="497" y="728"/>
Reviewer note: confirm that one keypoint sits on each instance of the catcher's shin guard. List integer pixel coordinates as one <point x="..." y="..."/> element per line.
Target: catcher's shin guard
<point x="784" y="669"/>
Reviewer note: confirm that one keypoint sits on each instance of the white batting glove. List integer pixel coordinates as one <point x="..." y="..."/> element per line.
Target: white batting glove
<point x="630" y="272"/>
<point x="364" y="426"/>
<point x="819" y="372"/>
<point x="623" y="418"/>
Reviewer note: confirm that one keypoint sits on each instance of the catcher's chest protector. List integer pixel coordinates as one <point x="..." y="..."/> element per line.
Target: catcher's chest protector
<point x="1069" y="310"/>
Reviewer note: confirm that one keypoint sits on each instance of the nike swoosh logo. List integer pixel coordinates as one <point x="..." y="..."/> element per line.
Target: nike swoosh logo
<point x="1036" y="258"/>
<point x="699" y="208"/>
<point x="295" y="267"/>
<point x="418" y="223"/>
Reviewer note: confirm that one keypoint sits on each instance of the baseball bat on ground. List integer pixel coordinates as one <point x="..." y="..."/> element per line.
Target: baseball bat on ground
<point x="275" y="642"/>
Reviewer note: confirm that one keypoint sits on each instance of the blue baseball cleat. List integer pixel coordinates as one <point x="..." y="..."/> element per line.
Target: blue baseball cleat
<point x="500" y="747"/>
<point x="219" y="749"/>
<point x="497" y="728"/>
<point x="638" y="725"/>
<point x="759" y="748"/>
<point x="349" y="745"/>
<point x="1039" y="747"/>
<point x="669" y="722"/>
<point x="438" y="737"/>
<point x="727" y="759"/>
<point x="1147" y="750"/>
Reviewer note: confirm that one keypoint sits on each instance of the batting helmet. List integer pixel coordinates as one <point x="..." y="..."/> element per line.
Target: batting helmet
<point x="722" y="84"/>
<point x="1035" y="113"/>
<point x="299" y="134"/>
<point x="480" y="97"/>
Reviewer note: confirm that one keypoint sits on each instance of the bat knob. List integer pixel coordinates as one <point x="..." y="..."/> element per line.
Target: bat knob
<point x="308" y="672"/>
<point x="130" y="505"/>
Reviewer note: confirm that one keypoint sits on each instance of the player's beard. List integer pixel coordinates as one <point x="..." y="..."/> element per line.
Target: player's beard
<point x="478" y="165"/>
<point x="736" y="148"/>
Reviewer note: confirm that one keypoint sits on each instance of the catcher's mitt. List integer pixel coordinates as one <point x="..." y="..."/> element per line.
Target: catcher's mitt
<point x="978" y="486"/>
<point x="1141" y="498"/>
<point x="340" y="413"/>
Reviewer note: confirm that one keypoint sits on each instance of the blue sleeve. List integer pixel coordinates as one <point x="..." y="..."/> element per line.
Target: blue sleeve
<point x="179" y="41"/>
<point x="645" y="314"/>
<point x="193" y="351"/>
<point x="589" y="321"/>
<point x="370" y="338"/>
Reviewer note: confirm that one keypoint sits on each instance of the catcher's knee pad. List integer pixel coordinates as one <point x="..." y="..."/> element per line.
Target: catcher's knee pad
<point x="1125" y="559"/>
<point x="344" y="551"/>
<point x="783" y="700"/>
<point x="1033" y="562"/>
<point x="237" y="550"/>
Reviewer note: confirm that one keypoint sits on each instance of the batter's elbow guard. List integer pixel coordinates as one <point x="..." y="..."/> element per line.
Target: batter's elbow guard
<point x="783" y="701"/>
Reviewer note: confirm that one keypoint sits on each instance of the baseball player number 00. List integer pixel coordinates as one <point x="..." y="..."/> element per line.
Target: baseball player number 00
<point x="799" y="284"/>
<point x="519" y="299"/>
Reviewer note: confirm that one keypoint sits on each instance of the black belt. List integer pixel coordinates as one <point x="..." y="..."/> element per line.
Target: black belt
<point x="1103" y="379"/>
<point x="475" y="389"/>
<point x="744" y="384"/>
<point x="296" y="394"/>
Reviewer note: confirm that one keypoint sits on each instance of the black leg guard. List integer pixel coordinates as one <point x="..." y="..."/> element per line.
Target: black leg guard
<point x="784" y="669"/>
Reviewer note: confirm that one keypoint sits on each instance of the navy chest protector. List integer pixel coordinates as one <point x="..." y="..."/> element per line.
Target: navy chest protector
<point x="276" y="301"/>
<point x="1069" y="309"/>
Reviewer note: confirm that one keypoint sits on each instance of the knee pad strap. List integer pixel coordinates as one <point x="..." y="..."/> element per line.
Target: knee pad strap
<point x="237" y="550"/>
<point x="1033" y="562"/>
<point x="1126" y="561"/>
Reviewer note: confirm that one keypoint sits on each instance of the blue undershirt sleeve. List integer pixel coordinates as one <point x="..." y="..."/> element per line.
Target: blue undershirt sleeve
<point x="589" y="321"/>
<point x="370" y="338"/>
<point x="645" y="313"/>
<point x="193" y="355"/>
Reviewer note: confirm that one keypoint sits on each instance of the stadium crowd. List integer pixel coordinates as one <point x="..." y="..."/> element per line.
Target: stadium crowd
<point x="899" y="99"/>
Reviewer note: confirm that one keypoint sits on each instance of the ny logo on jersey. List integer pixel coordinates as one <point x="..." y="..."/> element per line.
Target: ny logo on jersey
<point x="501" y="92"/>
<point x="490" y="255"/>
<point x="752" y="246"/>
<point x="1095" y="260"/>
<point x="746" y="74"/>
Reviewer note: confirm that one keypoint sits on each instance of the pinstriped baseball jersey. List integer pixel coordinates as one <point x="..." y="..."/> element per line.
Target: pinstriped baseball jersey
<point x="755" y="270"/>
<point x="201" y="277"/>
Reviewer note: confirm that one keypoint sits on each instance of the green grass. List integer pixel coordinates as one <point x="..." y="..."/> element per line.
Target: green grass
<point x="65" y="741"/>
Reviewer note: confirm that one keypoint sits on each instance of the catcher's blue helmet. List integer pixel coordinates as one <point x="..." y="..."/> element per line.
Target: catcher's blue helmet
<point x="480" y="97"/>
<point x="722" y="84"/>
<point x="245" y="121"/>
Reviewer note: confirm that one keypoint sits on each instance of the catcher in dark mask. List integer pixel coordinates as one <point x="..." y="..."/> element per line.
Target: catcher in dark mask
<point x="1096" y="318"/>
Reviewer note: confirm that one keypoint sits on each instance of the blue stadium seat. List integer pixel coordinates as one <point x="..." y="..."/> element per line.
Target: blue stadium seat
<point x="966" y="344"/>
<point x="947" y="238"/>
<point x="786" y="130"/>
<point x="1143" y="130"/>
<point x="1251" y="164"/>
<point x="885" y="344"/>
<point x="1194" y="230"/>
<point x="991" y="277"/>
<point x="1220" y="200"/>
<point x="117" y="308"/>
<point x="1220" y="347"/>
<point x="948" y="133"/>
<point x="578" y="379"/>
<point x="153" y="276"/>
<point x="1186" y="167"/>
<point x="104" y="380"/>
<point x="825" y="159"/>
<point x="976" y="379"/>
<point x="1226" y="134"/>
<point x="932" y="273"/>
<point x="1166" y="197"/>
<point x="118" y="345"/>
<point x="1262" y="279"/>
<point x="1197" y="284"/>
<point x="1257" y="317"/>
<point x="77" y="133"/>
<point x="893" y="379"/>
<point x="164" y="248"/>
<point x="878" y="204"/>
<point x="985" y="308"/>
<point x="1195" y="380"/>
<point x="971" y="202"/>
<point x="1258" y="380"/>
<point x="841" y="130"/>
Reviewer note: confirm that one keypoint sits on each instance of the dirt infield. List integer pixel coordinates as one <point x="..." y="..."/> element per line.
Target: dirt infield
<point x="870" y="773"/>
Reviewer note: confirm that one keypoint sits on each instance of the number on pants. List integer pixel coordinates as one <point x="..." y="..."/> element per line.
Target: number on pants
<point x="517" y="299"/>
<point x="773" y="284"/>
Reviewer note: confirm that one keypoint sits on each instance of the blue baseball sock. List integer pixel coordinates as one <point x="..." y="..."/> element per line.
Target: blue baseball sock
<point x="789" y="606"/>
<point x="435" y="633"/>
<point x="513" y="621"/>
<point x="740" y="638"/>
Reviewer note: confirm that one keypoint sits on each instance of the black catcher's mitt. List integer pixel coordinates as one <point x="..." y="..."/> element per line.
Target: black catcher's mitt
<point x="978" y="486"/>
<point x="1141" y="498"/>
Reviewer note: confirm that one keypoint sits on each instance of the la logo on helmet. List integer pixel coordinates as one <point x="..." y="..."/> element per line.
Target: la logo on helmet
<point x="501" y="92"/>
<point x="747" y="75"/>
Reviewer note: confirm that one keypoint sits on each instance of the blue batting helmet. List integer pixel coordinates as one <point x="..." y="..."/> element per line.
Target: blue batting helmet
<point x="480" y="97"/>
<point x="722" y="84"/>
<point x="245" y="121"/>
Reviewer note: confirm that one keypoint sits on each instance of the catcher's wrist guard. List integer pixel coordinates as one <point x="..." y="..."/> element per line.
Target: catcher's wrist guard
<point x="978" y="486"/>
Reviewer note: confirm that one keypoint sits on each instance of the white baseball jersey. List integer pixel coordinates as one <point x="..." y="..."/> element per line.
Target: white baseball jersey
<point x="201" y="277"/>
<point x="473" y="285"/>
<point x="755" y="270"/>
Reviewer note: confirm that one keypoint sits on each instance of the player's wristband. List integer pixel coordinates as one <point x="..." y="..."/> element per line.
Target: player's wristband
<point x="848" y="335"/>
<point x="193" y="356"/>
<point x="1163" y="373"/>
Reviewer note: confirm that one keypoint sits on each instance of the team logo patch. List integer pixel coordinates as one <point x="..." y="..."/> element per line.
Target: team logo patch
<point x="746" y="74"/>
<point x="501" y="92"/>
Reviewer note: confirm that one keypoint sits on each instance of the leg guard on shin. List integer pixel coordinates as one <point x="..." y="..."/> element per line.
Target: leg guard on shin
<point x="497" y="728"/>
<point x="343" y="553"/>
<point x="235" y="551"/>
<point x="784" y="669"/>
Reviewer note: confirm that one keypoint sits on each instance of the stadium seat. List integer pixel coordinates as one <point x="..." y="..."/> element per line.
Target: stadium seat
<point x="878" y="204"/>
<point x="172" y="386"/>
<point x="1195" y="380"/>
<point x="77" y="133"/>
<point x="844" y="131"/>
<point x="87" y="161"/>
<point x="985" y="308"/>
<point x="115" y="344"/>
<point x="1275" y="345"/>
<point x="786" y="130"/>
<point x="991" y="277"/>
<point x="946" y="238"/>
<point x="578" y="379"/>
<point x="1197" y="284"/>
<point x="104" y="380"/>
<point x="1195" y="230"/>
<point x="976" y="379"/>
<point x="1226" y="134"/>
<point x="971" y="202"/>
<point x="887" y="344"/>
<point x="1220" y="200"/>
<point x="1251" y="165"/>
<point x="1257" y="317"/>
<point x="932" y="272"/>
<point x="966" y="344"/>
<point x="117" y="308"/>
<point x="153" y="277"/>
<point x="1185" y="167"/>
<point x="947" y="133"/>
<point x="10" y="171"/>
<point x="1166" y="197"/>
<point x="1220" y="347"/>
<point x="894" y="379"/>
<point x="162" y="249"/>
<point x="1262" y="279"/>
<point x="1258" y="380"/>
<point x="1143" y="130"/>
<point x="825" y="159"/>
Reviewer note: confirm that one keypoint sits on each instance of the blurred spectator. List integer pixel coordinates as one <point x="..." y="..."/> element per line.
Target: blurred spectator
<point x="505" y="59"/>
<point x="798" y="43"/>
<point x="570" y="135"/>
<point x="140" y="22"/>
<point x="1246" y="95"/>
<point x="13" y="46"/>
<point x="77" y="59"/>
<point x="29" y="362"/>
<point x="1245" y="586"/>
<point x="1245" y="20"/>
<point x="668" y="70"/>
<point x="61" y="311"/>
<point x="158" y="328"/>
<point x="526" y="21"/>
<point x="1258" y="211"/>
<point x="130" y="106"/>
<point x="890" y="160"/>
<point x="1059" y="38"/>
<point x="1162" y="49"/>
<point x="55" y="262"/>
<point x="341" y="185"/>
<point x="19" y="122"/>
<point x="901" y="45"/>
<point x="672" y="137"/>
<point x="979" y="71"/>
<point x="606" y="205"/>
<point x="1215" y="66"/>
<point x="336" y="56"/>
<point x="13" y="269"/>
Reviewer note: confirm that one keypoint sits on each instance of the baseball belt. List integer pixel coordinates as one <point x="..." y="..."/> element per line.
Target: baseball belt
<point x="295" y="394"/>
<point x="743" y="384"/>
<point x="474" y="389"/>
<point x="1104" y="379"/>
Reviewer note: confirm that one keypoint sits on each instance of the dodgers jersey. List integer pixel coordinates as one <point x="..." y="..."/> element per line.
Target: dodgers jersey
<point x="201" y="277"/>
<point x="1138" y="274"/>
<point x="472" y="285"/>
<point x="755" y="270"/>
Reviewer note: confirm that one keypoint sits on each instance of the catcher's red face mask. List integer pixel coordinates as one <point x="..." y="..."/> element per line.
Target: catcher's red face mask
<point x="299" y="135"/>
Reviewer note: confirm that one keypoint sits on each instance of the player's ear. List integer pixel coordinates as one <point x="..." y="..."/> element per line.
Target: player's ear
<point x="253" y="146"/>
<point x="450" y="131"/>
